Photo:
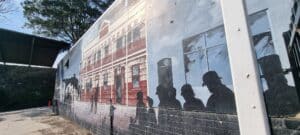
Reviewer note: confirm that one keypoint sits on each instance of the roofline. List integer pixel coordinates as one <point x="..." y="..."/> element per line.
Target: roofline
<point x="35" y="36"/>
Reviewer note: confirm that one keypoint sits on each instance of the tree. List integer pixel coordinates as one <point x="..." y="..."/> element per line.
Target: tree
<point x="5" y="7"/>
<point x="63" y="19"/>
<point x="2" y="6"/>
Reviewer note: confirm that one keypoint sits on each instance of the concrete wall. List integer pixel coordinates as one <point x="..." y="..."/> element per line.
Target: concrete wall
<point x="183" y="84"/>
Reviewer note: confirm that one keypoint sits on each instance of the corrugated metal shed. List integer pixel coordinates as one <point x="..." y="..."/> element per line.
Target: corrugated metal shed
<point x="23" y="48"/>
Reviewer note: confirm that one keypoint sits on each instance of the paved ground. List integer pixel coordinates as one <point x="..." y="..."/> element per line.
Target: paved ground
<point x="37" y="121"/>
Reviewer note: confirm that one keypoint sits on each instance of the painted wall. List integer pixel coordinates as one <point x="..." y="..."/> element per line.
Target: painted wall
<point x="186" y="23"/>
<point x="162" y="67"/>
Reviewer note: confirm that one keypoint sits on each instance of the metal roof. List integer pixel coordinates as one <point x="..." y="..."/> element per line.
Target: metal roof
<point x="28" y="49"/>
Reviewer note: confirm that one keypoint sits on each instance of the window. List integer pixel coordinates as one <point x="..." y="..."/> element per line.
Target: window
<point x="207" y="52"/>
<point x="129" y="37"/>
<point x="89" y="84"/>
<point x="136" y="76"/>
<point x="89" y="61"/>
<point x="105" y="79"/>
<point x="99" y="54"/>
<point x="95" y="58"/>
<point x="119" y="42"/>
<point x="67" y="64"/>
<point x="106" y="50"/>
<point x="136" y="33"/>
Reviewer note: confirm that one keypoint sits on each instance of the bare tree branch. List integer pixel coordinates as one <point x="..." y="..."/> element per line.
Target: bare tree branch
<point x="6" y="6"/>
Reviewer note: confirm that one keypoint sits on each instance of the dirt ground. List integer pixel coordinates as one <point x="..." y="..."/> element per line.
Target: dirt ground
<point x="37" y="121"/>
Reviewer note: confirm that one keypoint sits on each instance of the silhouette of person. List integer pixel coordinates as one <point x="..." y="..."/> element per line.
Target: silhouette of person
<point x="281" y="99"/>
<point x="111" y="114"/>
<point x="74" y="82"/>
<point x="92" y="102"/>
<point x="118" y="90"/>
<point x="222" y="98"/>
<point x="173" y="103"/>
<point x="162" y="94"/>
<point x="151" y="117"/>
<point x="55" y="107"/>
<point x="167" y="97"/>
<point x="68" y="98"/>
<point x="96" y="94"/>
<point x="140" y="115"/>
<point x="169" y="116"/>
<point x="191" y="103"/>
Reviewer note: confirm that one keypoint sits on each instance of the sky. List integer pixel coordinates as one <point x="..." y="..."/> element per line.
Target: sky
<point x="15" y="21"/>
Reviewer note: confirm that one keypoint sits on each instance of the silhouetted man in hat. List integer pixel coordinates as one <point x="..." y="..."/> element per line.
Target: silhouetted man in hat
<point x="96" y="94"/>
<point x="151" y="116"/>
<point x="92" y="102"/>
<point x="140" y="115"/>
<point x="222" y="98"/>
<point x="111" y="114"/>
<point x="191" y="103"/>
<point x="281" y="99"/>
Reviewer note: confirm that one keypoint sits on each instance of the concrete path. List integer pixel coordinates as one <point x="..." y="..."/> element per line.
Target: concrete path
<point x="37" y="121"/>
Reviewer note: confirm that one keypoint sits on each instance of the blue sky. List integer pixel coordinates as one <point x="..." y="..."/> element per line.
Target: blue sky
<point x="15" y="20"/>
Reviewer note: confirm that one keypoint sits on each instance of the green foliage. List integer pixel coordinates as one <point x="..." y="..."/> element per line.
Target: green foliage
<point x="64" y="19"/>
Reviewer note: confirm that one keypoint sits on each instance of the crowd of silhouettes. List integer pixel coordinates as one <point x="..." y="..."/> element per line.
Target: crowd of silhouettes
<point x="281" y="99"/>
<point x="221" y="100"/>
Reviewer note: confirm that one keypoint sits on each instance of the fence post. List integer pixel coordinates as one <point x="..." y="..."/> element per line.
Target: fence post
<point x="251" y="109"/>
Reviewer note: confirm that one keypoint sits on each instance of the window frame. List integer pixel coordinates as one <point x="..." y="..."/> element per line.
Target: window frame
<point x="105" y="79"/>
<point x="138" y="75"/>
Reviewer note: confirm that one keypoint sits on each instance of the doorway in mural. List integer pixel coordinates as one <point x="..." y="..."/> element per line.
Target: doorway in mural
<point x="120" y="85"/>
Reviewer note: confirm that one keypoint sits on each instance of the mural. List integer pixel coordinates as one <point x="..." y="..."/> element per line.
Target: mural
<point x="72" y="88"/>
<point x="144" y="71"/>
<point x="281" y="99"/>
<point x="114" y="63"/>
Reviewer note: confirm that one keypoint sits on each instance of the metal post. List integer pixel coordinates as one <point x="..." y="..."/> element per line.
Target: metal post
<point x="2" y="55"/>
<point x="251" y="109"/>
<point x="31" y="51"/>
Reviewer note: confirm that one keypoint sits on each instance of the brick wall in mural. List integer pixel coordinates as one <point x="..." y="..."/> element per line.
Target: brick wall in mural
<point x="165" y="70"/>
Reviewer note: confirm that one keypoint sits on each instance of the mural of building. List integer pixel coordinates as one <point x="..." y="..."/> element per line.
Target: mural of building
<point x="163" y="67"/>
<point x="114" y="64"/>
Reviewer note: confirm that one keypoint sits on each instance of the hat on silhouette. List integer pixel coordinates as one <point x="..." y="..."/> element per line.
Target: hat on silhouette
<point x="210" y="77"/>
<point x="270" y="65"/>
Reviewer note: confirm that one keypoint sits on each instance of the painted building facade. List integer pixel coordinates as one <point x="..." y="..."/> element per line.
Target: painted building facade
<point x="162" y="67"/>
<point x="114" y="64"/>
